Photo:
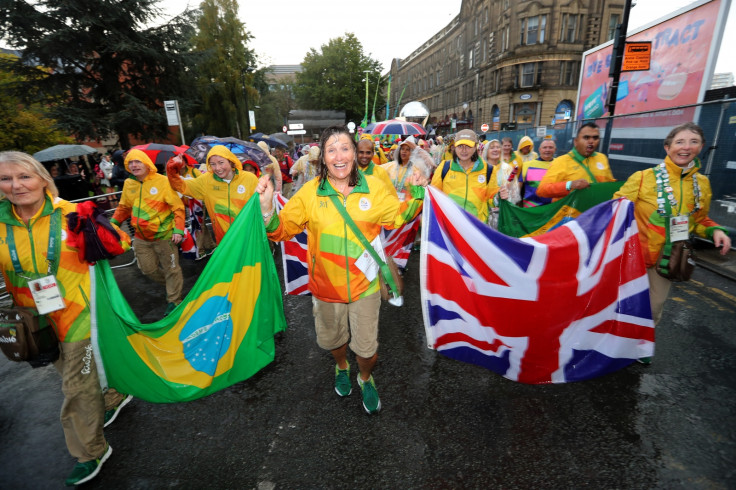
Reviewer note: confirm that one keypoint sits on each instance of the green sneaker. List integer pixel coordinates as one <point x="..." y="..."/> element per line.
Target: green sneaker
<point x="84" y="472"/>
<point x="342" y="381"/>
<point x="371" y="401"/>
<point x="112" y="414"/>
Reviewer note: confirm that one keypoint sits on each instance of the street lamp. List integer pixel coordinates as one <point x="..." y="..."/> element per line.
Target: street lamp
<point x="248" y="69"/>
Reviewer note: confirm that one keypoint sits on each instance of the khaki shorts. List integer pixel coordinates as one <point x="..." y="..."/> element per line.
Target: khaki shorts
<point x="331" y="324"/>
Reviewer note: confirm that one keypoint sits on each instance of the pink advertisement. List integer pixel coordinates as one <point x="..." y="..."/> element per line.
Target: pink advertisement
<point x="680" y="51"/>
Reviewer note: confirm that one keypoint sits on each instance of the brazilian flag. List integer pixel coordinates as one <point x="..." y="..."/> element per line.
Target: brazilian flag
<point x="222" y="333"/>
<point x="524" y="222"/>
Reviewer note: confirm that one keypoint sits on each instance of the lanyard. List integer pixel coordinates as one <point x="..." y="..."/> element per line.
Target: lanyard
<point x="580" y="159"/>
<point x="54" y="241"/>
<point x="397" y="184"/>
<point x="664" y="189"/>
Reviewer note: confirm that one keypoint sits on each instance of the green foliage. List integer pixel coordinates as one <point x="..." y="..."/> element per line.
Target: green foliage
<point x="98" y="65"/>
<point x="334" y="78"/>
<point x="222" y="70"/>
<point x="23" y="128"/>
<point x="275" y="105"/>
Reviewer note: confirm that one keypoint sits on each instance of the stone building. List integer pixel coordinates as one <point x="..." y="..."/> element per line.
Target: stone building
<point x="505" y="62"/>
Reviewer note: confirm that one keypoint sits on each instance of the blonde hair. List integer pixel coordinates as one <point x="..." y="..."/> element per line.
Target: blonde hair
<point x="30" y="164"/>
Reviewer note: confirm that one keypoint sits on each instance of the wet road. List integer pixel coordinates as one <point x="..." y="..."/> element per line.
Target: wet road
<point x="445" y="424"/>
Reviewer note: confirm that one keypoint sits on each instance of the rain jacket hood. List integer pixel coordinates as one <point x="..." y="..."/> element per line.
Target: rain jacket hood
<point x="524" y="142"/>
<point x="141" y="156"/>
<point x="222" y="151"/>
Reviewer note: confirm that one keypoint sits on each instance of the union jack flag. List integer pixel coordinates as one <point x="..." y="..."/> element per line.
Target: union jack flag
<point x="568" y="305"/>
<point x="294" y="256"/>
<point x="398" y="242"/>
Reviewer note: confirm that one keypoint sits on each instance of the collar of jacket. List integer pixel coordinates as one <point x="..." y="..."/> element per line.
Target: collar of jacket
<point x="218" y="179"/>
<point x="580" y="158"/>
<point x="675" y="170"/>
<point x="325" y="189"/>
<point x="8" y="215"/>
<point x="477" y="165"/>
<point x="368" y="169"/>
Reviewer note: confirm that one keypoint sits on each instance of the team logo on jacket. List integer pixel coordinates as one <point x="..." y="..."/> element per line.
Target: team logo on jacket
<point x="63" y="235"/>
<point x="241" y="189"/>
<point x="364" y="204"/>
<point x="481" y="179"/>
<point x="600" y="165"/>
<point x="153" y="191"/>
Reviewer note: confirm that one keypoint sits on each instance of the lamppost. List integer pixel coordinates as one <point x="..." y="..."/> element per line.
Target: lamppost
<point x="248" y="69"/>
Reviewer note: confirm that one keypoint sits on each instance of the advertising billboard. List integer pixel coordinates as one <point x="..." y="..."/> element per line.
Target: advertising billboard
<point x="684" y="48"/>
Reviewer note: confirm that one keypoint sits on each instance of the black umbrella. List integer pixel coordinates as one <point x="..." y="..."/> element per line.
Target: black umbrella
<point x="244" y="150"/>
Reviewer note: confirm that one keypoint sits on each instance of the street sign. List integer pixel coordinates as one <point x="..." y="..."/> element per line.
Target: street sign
<point x="171" y="116"/>
<point x="297" y="131"/>
<point x="637" y="56"/>
<point x="541" y="131"/>
<point x="284" y="129"/>
<point x="484" y="128"/>
<point x="296" y="126"/>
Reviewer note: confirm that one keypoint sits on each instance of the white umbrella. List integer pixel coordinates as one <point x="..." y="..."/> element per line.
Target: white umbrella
<point x="59" y="152"/>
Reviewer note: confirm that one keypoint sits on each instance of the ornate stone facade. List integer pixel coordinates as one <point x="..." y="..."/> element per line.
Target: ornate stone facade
<point x="505" y="61"/>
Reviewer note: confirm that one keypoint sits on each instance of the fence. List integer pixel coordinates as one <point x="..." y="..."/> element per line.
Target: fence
<point x="636" y="143"/>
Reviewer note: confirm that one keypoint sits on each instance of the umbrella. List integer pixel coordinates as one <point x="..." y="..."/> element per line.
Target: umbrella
<point x="161" y="153"/>
<point x="59" y="152"/>
<point x="397" y="127"/>
<point x="244" y="150"/>
<point x="270" y="141"/>
<point x="282" y="137"/>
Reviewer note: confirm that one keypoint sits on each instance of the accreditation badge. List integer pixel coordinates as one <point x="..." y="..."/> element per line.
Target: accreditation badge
<point x="679" y="228"/>
<point x="46" y="294"/>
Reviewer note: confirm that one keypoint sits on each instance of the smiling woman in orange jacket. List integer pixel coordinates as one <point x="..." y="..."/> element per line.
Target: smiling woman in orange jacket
<point x="688" y="194"/>
<point x="342" y="280"/>
<point x="32" y="219"/>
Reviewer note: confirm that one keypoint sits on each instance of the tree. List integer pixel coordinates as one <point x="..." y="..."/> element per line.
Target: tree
<point x="223" y="73"/>
<point x="334" y="78"/>
<point x="276" y="102"/>
<point x="99" y="65"/>
<point x="24" y="128"/>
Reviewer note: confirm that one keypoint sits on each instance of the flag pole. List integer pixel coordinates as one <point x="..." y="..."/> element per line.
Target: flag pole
<point x="375" y="98"/>
<point x="388" y="97"/>
<point x="364" y="123"/>
<point x="396" y="110"/>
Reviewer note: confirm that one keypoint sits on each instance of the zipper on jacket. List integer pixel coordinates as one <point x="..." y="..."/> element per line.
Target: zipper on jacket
<point x="33" y="245"/>
<point x="137" y="217"/>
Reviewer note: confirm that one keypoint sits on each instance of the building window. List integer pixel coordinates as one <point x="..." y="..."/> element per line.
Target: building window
<point x="497" y="80"/>
<point x="569" y="28"/>
<point x="612" y="23"/>
<point x="470" y="59"/>
<point x="569" y="73"/>
<point x="530" y="75"/>
<point x="533" y="29"/>
<point x="505" y="39"/>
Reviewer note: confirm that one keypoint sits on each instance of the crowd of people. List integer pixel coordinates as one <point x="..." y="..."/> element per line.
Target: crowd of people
<point x="343" y="192"/>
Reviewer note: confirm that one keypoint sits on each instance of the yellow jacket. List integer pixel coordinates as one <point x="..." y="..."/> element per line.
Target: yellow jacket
<point x="641" y="189"/>
<point x="223" y="200"/>
<point x="379" y="172"/>
<point x="154" y="209"/>
<point x="470" y="188"/>
<point x="573" y="166"/>
<point x="332" y="247"/>
<point x="32" y="243"/>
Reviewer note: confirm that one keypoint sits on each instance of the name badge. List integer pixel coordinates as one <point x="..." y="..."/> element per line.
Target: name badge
<point x="46" y="294"/>
<point x="365" y="262"/>
<point x="679" y="228"/>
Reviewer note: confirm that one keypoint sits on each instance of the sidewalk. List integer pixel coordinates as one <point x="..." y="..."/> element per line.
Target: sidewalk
<point x="709" y="257"/>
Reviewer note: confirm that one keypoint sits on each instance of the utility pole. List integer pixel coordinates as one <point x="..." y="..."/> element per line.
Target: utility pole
<point x="617" y="57"/>
<point x="245" y="98"/>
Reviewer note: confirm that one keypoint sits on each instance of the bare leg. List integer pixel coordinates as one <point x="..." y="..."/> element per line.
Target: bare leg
<point x="366" y="365"/>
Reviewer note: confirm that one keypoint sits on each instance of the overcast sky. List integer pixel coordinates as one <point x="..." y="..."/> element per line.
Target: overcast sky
<point x="285" y="30"/>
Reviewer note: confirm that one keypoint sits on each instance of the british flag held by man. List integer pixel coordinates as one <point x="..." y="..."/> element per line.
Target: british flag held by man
<point x="294" y="255"/>
<point x="568" y="305"/>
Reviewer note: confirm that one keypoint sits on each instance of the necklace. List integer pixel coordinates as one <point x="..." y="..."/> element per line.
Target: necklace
<point x="662" y="178"/>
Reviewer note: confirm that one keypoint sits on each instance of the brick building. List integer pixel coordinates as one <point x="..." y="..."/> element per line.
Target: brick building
<point x="504" y="61"/>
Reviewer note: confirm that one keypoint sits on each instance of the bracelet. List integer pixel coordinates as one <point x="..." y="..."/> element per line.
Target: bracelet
<point x="568" y="185"/>
<point x="267" y="216"/>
